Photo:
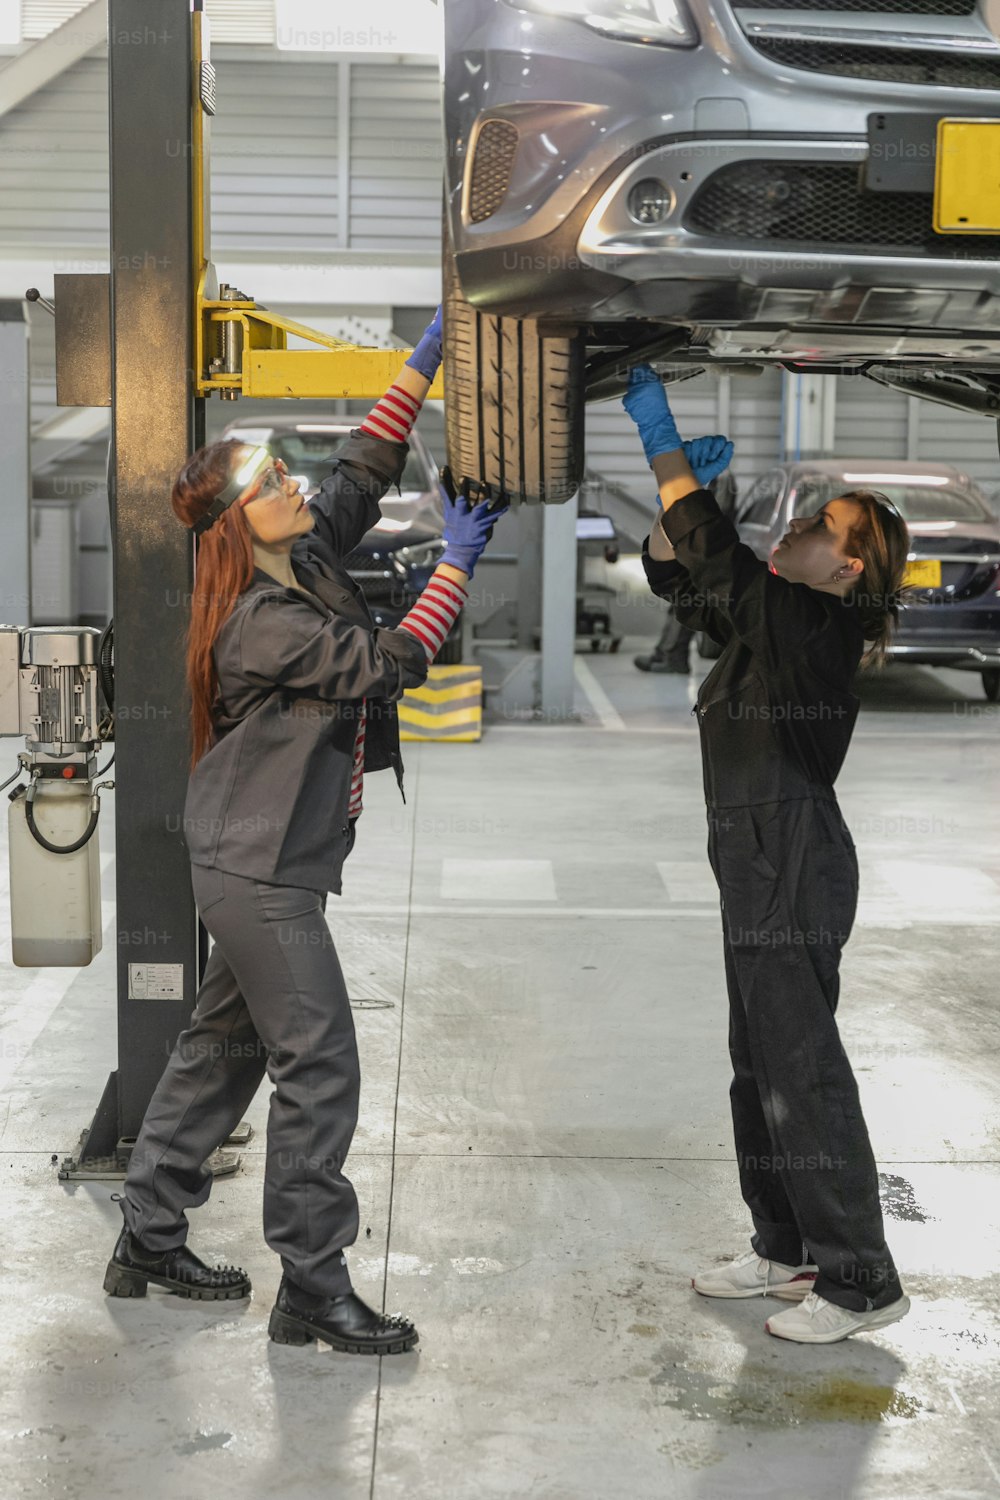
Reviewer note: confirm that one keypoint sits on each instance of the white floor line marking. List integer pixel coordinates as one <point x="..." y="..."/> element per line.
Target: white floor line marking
<point x="488" y="909"/>
<point x="498" y="880"/>
<point x="924" y="885"/>
<point x="599" y="701"/>
<point x="26" y="1015"/>
<point x="685" y="732"/>
<point x="894" y="915"/>
<point x="687" y="879"/>
<point x="26" y="1019"/>
<point x="954" y="1396"/>
<point x="990" y="1464"/>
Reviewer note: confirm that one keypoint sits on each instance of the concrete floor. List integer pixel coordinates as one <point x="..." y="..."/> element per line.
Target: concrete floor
<point x="544" y="1155"/>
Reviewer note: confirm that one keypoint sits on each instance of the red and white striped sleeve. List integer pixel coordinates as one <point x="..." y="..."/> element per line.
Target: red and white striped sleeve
<point x="358" y="769"/>
<point x="393" y="415"/>
<point x="435" y="612"/>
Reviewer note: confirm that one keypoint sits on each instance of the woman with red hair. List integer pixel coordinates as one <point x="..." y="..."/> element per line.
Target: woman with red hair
<point x="293" y="694"/>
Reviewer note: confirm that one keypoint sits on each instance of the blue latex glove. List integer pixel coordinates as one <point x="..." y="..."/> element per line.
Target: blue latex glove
<point x="467" y="529"/>
<point x="708" y="456"/>
<point x="427" y="355"/>
<point x="647" y="405"/>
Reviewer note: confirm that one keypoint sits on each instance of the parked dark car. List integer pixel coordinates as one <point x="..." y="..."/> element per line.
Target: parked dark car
<point x="396" y="558"/>
<point x="951" y="617"/>
<point x="706" y="182"/>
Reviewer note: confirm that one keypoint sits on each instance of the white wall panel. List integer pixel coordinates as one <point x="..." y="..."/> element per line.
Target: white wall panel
<point x="955" y="437"/>
<point x="395" y="157"/>
<point x="231" y="20"/>
<point x="274" y="156"/>
<point x="871" y="420"/>
<point x="53" y="164"/>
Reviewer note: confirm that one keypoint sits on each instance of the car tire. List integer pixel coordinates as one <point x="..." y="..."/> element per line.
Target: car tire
<point x="991" y="683"/>
<point x="514" y="401"/>
<point x="708" y="649"/>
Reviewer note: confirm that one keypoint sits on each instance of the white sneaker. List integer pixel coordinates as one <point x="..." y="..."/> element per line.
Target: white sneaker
<point x="752" y="1276"/>
<point x="817" y="1321"/>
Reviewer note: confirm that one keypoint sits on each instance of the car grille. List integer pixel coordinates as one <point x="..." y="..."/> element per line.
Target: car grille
<point x="890" y="64"/>
<point x="822" y="204"/>
<point x="869" y="7"/>
<point x="380" y="582"/>
<point x="496" y="147"/>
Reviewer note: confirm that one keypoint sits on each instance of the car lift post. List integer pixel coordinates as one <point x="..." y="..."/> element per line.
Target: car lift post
<point x="156" y="423"/>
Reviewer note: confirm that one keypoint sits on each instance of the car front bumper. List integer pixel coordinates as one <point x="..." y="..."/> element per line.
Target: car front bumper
<point x="592" y="116"/>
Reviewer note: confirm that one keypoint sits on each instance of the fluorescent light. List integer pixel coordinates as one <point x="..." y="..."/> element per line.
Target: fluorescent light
<point x="387" y="523"/>
<point x="318" y="427"/>
<point x="897" y="478"/>
<point x="935" y="525"/>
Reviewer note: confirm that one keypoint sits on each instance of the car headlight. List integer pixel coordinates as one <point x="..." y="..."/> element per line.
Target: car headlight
<point x="665" y="23"/>
<point x="422" y="554"/>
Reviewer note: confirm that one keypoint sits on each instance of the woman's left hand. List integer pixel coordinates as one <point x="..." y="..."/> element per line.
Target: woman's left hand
<point x="708" y="456"/>
<point x="467" y="529"/>
<point x="426" y="357"/>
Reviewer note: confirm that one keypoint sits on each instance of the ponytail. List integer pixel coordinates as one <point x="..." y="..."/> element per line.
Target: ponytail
<point x="880" y="539"/>
<point x="224" y="566"/>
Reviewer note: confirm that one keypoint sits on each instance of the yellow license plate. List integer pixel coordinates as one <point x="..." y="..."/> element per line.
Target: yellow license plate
<point x="967" y="177"/>
<point x="924" y="573"/>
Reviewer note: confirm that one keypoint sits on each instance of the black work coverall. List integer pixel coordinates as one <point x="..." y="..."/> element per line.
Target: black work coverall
<point x="776" y="714"/>
<point x="267" y="827"/>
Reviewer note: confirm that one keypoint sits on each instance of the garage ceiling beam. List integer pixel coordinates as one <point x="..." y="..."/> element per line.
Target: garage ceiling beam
<point x="53" y="54"/>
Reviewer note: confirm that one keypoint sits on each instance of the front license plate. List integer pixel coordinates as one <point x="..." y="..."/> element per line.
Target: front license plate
<point x="924" y="573"/>
<point x="967" y="177"/>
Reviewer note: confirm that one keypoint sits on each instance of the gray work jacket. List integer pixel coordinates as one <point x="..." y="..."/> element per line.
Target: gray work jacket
<point x="269" y="799"/>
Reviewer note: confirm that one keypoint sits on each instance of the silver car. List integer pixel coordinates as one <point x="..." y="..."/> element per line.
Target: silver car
<point x="951" y="617"/>
<point x="711" y="182"/>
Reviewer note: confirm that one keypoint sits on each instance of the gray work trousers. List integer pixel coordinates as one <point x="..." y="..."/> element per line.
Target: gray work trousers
<point x="272" y="999"/>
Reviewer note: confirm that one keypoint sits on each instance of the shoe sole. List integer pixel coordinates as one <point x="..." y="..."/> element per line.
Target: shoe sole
<point x="125" y="1281"/>
<point x="788" y="1291"/>
<point x="283" y="1329"/>
<point x="867" y="1323"/>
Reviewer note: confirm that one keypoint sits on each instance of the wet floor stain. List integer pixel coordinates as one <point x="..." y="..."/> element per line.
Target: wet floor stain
<point x="898" y="1201"/>
<point x="759" y="1398"/>
<point x="204" y="1442"/>
<point x="644" y="1330"/>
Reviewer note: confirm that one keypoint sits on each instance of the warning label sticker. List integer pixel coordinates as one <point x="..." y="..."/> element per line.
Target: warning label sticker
<point x="156" y="981"/>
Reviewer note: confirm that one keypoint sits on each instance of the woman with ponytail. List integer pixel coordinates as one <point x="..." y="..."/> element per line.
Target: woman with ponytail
<point x="293" y="694"/>
<point x="776" y="715"/>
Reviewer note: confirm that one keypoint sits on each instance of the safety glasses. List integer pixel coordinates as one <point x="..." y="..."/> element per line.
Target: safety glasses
<point x="270" y="478"/>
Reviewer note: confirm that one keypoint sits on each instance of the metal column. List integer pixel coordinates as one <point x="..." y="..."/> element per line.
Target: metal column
<point x="558" y="609"/>
<point x="156" y="424"/>
<point x="15" y="387"/>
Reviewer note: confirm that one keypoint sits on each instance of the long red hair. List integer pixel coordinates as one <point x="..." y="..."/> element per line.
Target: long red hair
<point x="224" y="566"/>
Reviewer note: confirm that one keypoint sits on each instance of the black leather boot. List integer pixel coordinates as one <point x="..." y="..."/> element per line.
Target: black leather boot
<point x="131" y="1269"/>
<point x="345" y="1323"/>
